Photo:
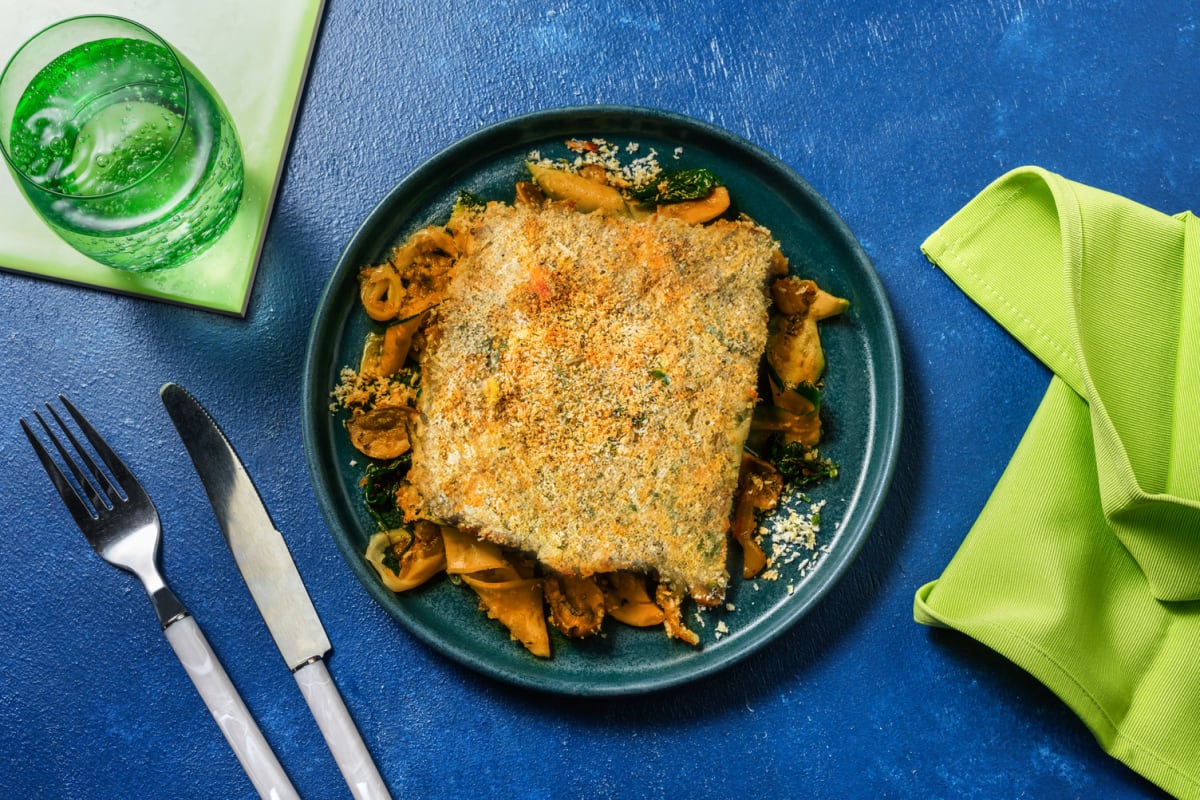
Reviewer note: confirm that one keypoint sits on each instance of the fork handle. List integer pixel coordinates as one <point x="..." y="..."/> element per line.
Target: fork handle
<point x="231" y="714"/>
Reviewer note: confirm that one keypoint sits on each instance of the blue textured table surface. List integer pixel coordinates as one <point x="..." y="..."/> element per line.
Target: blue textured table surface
<point x="897" y="112"/>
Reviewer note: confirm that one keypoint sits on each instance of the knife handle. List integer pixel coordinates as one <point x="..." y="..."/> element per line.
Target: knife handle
<point x="231" y="714"/>
<point x="340" y="733"/>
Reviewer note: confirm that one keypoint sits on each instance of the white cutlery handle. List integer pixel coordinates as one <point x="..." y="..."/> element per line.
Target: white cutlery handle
<point x="339" y="731"/>
<point x="231" y="714"/>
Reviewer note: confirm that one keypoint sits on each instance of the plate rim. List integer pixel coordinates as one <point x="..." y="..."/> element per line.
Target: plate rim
<point x="418" y="182"/>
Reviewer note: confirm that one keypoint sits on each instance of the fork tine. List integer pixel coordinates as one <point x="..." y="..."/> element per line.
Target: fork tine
<point x="81" y="478"/>
<point x="98" y="480"/>
<point x="79" y="510"/>
<point x="125" y="479"/>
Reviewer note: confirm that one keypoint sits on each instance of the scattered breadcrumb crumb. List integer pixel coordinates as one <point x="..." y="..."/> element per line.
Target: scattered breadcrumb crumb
<point x="791" y="536"/>
<point x="356" y="390"/>
<point x="635" y="174"/>
<point x="793" y="539"/>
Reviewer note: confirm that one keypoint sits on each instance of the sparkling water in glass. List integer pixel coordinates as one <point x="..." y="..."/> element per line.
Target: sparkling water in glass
<point x="119" y="143"/>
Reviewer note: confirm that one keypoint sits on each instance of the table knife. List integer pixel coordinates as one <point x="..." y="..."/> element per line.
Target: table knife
<point x="274" y="582"/>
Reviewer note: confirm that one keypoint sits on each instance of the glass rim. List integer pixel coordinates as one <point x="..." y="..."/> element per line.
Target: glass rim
<point x="175" y="58"/>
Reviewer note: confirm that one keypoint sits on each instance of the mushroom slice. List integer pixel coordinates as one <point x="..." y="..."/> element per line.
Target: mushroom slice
<point x="759" y="488"/>
<point x="382" y="432"/>
<point x="576" y="605"/>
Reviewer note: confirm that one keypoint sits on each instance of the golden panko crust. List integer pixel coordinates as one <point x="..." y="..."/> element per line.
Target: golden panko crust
<point x="587" y="387"/>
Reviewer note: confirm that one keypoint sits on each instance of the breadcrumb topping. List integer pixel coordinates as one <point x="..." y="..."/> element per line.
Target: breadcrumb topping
<point x="588" y="386"/>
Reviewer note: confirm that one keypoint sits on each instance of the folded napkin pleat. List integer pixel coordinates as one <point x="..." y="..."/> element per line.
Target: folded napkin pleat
<point x="1084" y="565"/>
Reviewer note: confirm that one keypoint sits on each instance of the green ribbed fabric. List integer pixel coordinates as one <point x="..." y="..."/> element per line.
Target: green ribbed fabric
<point x="1084" y="565"/>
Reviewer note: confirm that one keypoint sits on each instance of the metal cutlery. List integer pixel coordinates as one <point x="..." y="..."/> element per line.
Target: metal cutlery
<point x="274" y="582"/>
<point x="122" y="525"/>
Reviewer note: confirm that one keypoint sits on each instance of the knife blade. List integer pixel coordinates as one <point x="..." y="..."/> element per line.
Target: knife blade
<point x="263" y="558"/>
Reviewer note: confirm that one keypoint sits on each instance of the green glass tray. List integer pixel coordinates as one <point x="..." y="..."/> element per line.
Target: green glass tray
<point x="261" y="88"/>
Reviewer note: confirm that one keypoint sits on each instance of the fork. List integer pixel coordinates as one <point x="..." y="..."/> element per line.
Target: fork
<point x="122" y="525"/>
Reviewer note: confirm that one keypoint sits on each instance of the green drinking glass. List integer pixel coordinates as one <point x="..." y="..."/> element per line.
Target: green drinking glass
<point x="119" y="143"/>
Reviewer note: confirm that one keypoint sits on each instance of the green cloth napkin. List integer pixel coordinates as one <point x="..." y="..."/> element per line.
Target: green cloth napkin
<point x="1084" y="565"/>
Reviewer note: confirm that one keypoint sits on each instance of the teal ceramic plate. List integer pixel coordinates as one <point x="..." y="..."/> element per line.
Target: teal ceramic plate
<point x="862" y="401"/>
